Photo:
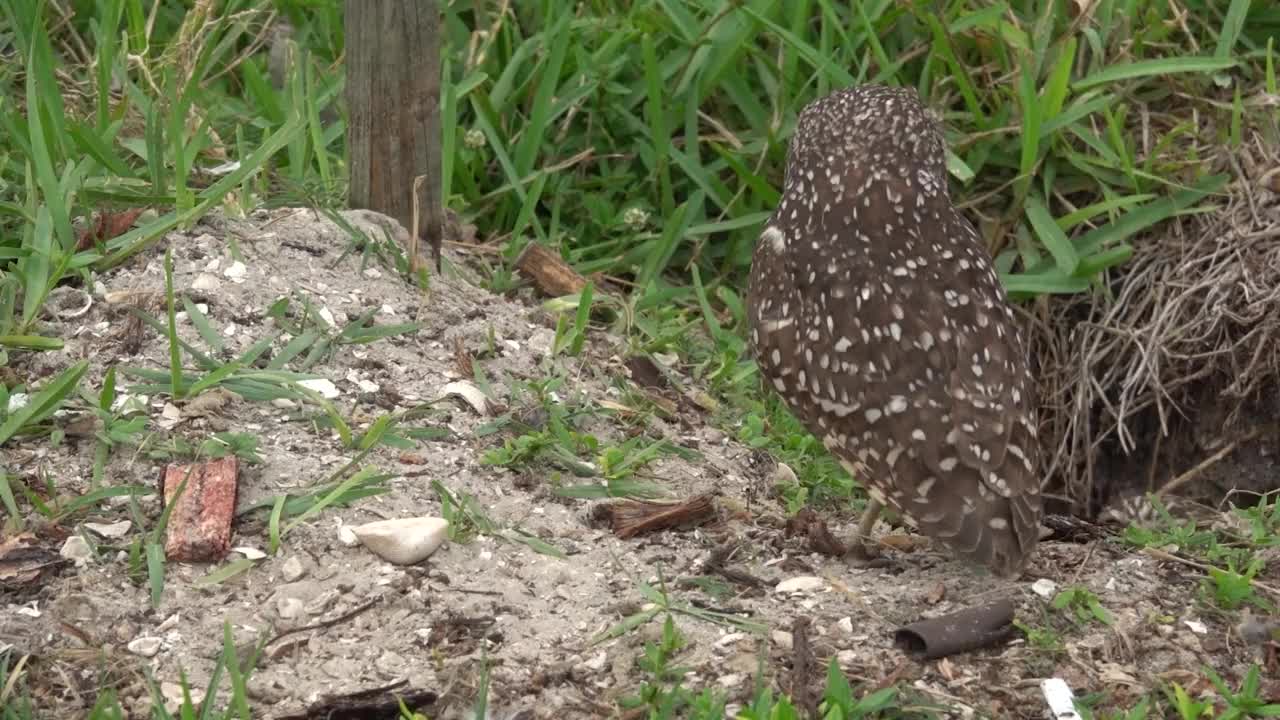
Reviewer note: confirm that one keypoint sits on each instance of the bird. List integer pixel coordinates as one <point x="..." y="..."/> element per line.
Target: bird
<point x="876" y="315"/>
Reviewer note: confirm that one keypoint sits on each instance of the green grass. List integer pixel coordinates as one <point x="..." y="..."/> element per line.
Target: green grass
<point x="646" y="142"/>
<point x="643" y="140"/>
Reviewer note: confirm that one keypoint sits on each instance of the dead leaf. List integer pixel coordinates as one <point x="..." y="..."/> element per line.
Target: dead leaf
<point x="209" y="402"/>
<point x="901" y="542"/>
<point x="108" y="225"/>
<point x="24" y="560"/>
<point x="1079" y="9"/>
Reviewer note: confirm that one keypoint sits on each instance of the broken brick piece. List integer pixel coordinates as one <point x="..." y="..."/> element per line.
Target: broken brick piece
<point x="199" y="527"/>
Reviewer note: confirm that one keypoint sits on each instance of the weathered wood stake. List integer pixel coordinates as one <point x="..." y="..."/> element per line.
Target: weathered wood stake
<point x="393" y="97"/>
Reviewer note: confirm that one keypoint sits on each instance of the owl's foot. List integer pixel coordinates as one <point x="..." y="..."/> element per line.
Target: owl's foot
<point x="863" y="552"/>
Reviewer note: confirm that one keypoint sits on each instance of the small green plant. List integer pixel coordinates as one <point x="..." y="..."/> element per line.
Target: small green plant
<point x="839" y="703"/>
<point x="1187" y="707"/>
<point x="1246" y="702"/>
<point x="124" y="428"/>
<point x="27" y="417"/>
<point x="1081" y="605"/>
<point x="315" y="334"/>
<point x="468" y="518"/>
<point x="570" y="339"/>
<point x="663" y="691"/>
<point x="1263" y="521"/>
<point x="1139" y="711"/>
<point x="1045" y="639"/>
<point x="1229" y="588"/>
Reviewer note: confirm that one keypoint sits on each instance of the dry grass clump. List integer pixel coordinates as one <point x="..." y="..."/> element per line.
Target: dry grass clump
<point x="1183" y="350"/>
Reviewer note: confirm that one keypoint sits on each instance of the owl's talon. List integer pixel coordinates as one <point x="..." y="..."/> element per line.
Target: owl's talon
<point x="864" y="555"/>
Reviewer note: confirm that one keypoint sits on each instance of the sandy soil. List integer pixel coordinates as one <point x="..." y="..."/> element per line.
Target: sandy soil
<point x="531" y="616"/>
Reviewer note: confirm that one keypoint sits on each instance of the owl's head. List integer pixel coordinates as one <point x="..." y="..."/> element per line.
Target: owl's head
<point x="862" y="132"/>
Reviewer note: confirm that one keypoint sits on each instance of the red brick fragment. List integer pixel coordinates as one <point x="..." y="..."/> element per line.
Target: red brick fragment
<point x="199" y="527"/>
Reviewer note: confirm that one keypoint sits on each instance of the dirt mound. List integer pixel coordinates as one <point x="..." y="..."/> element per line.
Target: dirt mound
<point x="341" y="621"/>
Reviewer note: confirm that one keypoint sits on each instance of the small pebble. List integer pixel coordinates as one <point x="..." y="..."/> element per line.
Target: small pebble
<point x="236" y="271"/>
<point x="597" y="662"/>
<point x="172" y="693"/>
<point x="292" y="570"/>
<point x="290" y="608"/>
<point x="145" y="646"/>
<point x="347" y="536"/>
<point x="1044" y="587"/>
<point x="76" y="550"/>
<point x="390" y="663"/>
<point x="206" y="282"/>
<point x="782" y="639"/>
<point x="251" y="553"/>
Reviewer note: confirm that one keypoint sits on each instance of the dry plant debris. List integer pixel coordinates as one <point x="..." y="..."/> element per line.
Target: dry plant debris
<point x="1177" y="360"/>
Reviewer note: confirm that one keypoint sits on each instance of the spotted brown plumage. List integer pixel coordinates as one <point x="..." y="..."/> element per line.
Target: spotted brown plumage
<point x="877" y="316"/>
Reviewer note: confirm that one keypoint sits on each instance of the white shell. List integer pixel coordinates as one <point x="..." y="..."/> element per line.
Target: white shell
<point x="403" y="541"/>
<point x="468" y="391"/>
<point x="801" y="584"/>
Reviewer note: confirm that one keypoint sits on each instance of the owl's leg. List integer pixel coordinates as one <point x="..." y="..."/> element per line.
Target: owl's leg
<point x="859" y="549"/>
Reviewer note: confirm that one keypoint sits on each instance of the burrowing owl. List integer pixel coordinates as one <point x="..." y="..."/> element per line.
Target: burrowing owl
<point x="877" y="316"/>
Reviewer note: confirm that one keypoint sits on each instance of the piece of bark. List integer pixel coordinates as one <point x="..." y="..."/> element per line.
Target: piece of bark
<point x="802" y="668"/>
<point x="633" y="517"/>
<point x="645" y="373"/>
<point x="807" y="522"/>
<point x="372" y="703"/>
<point x="199" y="527"/>
<point x="968" y="629"/>
<point x="26" y="561"/>
<point x="548" y="271"/>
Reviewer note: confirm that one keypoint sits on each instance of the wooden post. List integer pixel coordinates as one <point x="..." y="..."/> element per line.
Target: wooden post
<point x="393" y="99"/>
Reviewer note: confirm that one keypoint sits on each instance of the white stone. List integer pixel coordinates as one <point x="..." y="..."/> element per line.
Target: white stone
<point x="800" y="584"/>
<point x="324" y="386"/>
<point x="403" y="541"/>
<point x="145" y="646"/>
<point x="236" y="271"/>
<point x="172" y="693"/>
<point x="292" y="570"/>
<point x="110" y="530"/>
<point x="76" y="550"/>
<point x="782" y="639"/>
<point x="1044" y="587"/>
<point x="1059" y="698"/>
<point x="206" y="282"/>
<point x="290" y="607"/>
<point x="347" y="537"/>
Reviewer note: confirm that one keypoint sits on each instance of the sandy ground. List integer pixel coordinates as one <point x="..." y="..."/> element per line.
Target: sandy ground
<point x="531" y="616"/>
